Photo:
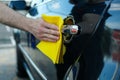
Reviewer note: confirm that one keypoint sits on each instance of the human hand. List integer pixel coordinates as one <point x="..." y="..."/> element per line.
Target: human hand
<point x="38" y="27"/>
<point x="44" y="31"/>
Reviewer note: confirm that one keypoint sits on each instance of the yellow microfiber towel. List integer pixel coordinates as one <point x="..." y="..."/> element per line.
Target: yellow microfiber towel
<point x="53" y="50"/>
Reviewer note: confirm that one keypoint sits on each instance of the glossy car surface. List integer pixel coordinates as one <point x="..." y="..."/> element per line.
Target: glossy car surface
<point x="39" y="67"/>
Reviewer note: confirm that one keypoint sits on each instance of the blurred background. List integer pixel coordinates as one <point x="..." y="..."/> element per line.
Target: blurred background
<point x="8" y="51"/>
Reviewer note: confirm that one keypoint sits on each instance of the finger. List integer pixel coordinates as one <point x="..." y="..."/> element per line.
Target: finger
<point x="49" y="40"/>
<point x="52" y="32"/>
<point x="49" y="36"/>
<point x="51" y="26"/>
<point x="48" y="25"/>
<point x="54" y="37"/>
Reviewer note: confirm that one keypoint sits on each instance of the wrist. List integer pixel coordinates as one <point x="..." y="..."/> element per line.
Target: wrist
<point x="27" y="24"/>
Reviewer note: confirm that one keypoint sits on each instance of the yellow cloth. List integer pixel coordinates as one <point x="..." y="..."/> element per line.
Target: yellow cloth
<point x="53" y="50"/>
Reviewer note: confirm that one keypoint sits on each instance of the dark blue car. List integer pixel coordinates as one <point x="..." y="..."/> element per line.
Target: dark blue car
<point x="33" y="64"/>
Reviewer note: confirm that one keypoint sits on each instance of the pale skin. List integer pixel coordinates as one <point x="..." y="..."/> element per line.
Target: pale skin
<point x="38" y="27"/>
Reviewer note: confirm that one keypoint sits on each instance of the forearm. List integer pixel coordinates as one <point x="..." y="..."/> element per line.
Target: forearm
<point x="12" y="18"/>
